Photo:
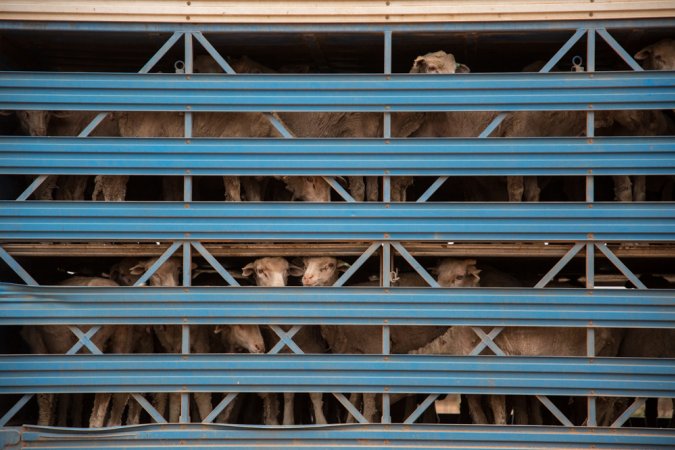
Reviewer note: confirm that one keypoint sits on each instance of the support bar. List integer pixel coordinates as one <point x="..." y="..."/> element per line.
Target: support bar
<point x="58" y="305"/>
<point x="290" y="221"/>
<point x="26" y="374"/>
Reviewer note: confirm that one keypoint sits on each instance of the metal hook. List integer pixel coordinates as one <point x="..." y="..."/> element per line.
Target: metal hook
<point x="179" y="66"/>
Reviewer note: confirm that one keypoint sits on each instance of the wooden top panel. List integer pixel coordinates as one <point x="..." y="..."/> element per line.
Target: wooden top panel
<point x="304" y="11"/>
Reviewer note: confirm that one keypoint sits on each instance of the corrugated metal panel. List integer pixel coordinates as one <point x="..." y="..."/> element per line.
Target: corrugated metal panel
<point x="303" y="11"/>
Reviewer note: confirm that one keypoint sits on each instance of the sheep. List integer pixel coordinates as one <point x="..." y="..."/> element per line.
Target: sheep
<point x="324" y="271"/>
<point x="533" y="341"/>
<point x="58" y="339"/>
<point x="274" y="272"/>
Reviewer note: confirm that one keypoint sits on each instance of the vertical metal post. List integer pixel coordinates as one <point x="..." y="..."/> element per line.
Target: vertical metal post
<point x="386" y="282"/>
<point x="590" y="115"/>
<point x="386" y="181"/>
<point x="185" y="329"/>
<point x="189" y="69"/>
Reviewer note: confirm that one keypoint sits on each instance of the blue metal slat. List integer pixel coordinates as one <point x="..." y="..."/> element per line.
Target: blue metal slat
<point x="518" y="156"/>
<point x="345" y="436"/>
<point x="375" y="93"/>
<point x="118" y="221"/>
<point x="22" y="305"/>
<point x="628" y="377"/>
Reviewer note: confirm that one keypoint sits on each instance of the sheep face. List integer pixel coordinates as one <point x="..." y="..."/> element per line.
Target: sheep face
<point x="438" y="62"/>
<point x="458" y="273"/>
<point x="322" y="271"/>
<point x="269" y="272"/>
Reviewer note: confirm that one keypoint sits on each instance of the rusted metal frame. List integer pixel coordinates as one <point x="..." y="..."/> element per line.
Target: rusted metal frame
<point x="157" y="264"/>
<point x="224" y="403"/>
<point x="637" y="404"/>
<point x="15" y="409"/>
<point x="500" y="118"/>
<point x="559" y="265"/>
<point x="285" y="339"/>
<point x="555" y="411"/>
<point x="620" y="265"/>
<point x="415" y="265"/>
<point x="421" y="408"/>
<point x="214" y="263"/>
<point x="547" y="67"/>
<point x="618" y="49"/>
<point x="32" y="188"/>
<point x="145" y="69"/>
<point x="357" y="264"/>
<point x="485" y="339"/>
<point x="17" y="268"/>
<point x="189" y="68"/>
<point x="351" y="408"/>
<point x="385" y="281"/>
<point x="339" y="189"/>
<point x="81" y="337"/>
<point x="431" y="190"/>
<point x="185" y="331"/>
<point x="275" y="121"/>
<point x="85" y="339"/>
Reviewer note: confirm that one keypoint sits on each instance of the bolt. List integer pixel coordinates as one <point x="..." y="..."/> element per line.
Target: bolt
<point x="187" y="17"/>
<point x="187" y="205"/>
<point x="188" y="107"/>
<point x="386" y="235"/>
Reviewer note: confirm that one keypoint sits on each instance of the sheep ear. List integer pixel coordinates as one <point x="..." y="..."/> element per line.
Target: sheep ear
<point x="643" y="54"/>
<point x="193" y="266"/>
<point x="248" y="269"/>
<point x="343" y="266"/>
<point x="462" y="68"/>
<point x="218" y="329"/>
<point x="296" y="271"/>
<point x="138" y="269"/>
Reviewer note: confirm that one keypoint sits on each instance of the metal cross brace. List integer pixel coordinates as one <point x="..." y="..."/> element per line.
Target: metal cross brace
<point x="214" y="263"/>
<point x="339" y="189"/>
<point x="559" y="265"/>
<point x="637" y="404"/>
<point x="620" y="265"/>
<point x="227" y="68"/>
<point x="159" y="263"/>
<point x="17" y="268"/>
<point x="357" y="264"/>
<point x="415" y="265"/>
<point x="555" y="411"/>
<point x="487" y="341"/>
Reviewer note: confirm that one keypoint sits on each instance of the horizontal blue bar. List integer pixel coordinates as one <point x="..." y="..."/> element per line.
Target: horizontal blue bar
<point x="22" y="305"/>
<point x="518" y="156"/>
<point x="336" y="28"/>
<point x="249" y="221"/>
<point x="628" y="377"/>
<point x="311" y="92"/>
<point x="345" y="436"/>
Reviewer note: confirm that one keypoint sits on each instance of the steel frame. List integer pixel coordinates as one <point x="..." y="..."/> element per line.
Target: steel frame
<point x="595" y="223"/>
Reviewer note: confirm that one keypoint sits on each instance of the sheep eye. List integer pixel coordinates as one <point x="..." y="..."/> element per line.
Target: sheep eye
<point x="331" y="265"/>
<point x="260" y="271"/>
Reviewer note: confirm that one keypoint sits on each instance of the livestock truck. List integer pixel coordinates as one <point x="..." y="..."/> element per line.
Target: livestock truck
<point x="337" y="224"/>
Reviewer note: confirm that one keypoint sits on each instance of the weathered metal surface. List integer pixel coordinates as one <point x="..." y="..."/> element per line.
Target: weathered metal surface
<point x="419" y="157"/>
<point x="371" y="436"/>
<point x="119" y="221"/>
<point x="294" y="11"/>
<point x="642" y="377"/>
<point x="345" y="305"/>
<point x="255" y="249"/>
<point x="308" y="92"/>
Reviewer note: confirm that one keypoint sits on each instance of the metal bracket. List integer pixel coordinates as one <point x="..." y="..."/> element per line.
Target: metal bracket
<point x="487" y="341"/>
